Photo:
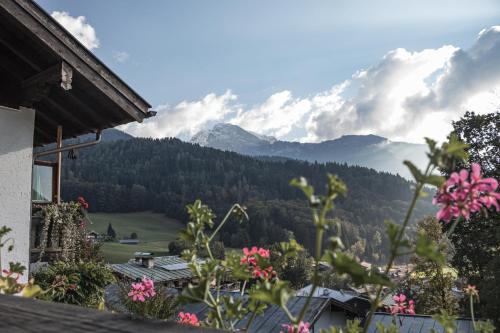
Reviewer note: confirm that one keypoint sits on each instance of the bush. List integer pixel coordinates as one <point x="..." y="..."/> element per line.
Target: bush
<point x="159" y="306"/>
<point x="177" y="246"/>
<point x="79" y="283"/>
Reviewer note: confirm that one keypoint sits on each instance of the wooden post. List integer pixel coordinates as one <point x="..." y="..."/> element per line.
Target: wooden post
<point x="58" y="166"/>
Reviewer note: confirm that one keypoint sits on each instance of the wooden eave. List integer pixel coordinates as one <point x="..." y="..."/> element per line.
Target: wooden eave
<point x="36" y="53"/>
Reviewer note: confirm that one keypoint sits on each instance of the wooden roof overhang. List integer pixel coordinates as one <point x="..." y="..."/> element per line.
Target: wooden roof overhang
<point x="42" y="66"/>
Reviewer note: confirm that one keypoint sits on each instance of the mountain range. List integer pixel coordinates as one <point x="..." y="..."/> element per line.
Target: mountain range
<point x="370" y="151"/>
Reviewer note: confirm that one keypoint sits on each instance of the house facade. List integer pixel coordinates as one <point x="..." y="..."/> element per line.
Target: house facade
<point x="51" y="88"/>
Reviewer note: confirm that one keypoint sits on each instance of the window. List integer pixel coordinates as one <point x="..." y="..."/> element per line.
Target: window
<point x="43" y="182"/>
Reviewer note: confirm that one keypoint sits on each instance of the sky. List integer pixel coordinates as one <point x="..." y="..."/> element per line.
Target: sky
<point x="304" y="71"/>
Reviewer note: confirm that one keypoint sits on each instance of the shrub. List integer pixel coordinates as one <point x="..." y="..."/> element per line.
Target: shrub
<point x="78" y="283"/>
<point x="177" y="246"/>
<point x="143" y="300"/>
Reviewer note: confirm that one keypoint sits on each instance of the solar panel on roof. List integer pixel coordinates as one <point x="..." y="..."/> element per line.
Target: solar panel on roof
<point x="175" y="267"/>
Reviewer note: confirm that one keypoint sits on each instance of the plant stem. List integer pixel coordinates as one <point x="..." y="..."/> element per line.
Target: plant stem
<point x="395" y="248"/>
<point x="254" y="314"/>
<point x="228" y="214"/>
<point x="317" y="258"/>
<point x="452" y="228"/>
<point x="472" y="312"/>
<point x="243" y="288"/>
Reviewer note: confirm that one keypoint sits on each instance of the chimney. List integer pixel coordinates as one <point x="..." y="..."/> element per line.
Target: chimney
<point x="148" y="261"/>
<point x="145" y="259"/>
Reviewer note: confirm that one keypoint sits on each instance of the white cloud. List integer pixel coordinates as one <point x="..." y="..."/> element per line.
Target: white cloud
<point x="121" y="56"/>
<point x="276" y="116"/>
<point x="409" y="95"/>
<point x="78" y="27"/>
<point x="405" y="96"/>
<point x="379" y="94"/>
<point x="186" y="118"/>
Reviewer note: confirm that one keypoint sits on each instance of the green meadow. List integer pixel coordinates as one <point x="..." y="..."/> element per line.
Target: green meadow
<point x="154" y="231"/>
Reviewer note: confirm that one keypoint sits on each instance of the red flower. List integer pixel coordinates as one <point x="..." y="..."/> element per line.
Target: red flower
<point x="251" y="259"/>
<point x="83" y="202"/>
<point x="186" y="318"/>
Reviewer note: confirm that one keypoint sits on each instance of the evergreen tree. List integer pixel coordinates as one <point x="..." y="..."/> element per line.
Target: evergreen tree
<point x="111" y="232"/>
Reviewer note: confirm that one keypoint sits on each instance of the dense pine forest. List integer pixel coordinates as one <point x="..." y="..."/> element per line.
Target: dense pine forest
<point x="165" y="175"/>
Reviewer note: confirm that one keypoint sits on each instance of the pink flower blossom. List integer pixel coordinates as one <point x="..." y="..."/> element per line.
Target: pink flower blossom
<point x="186" y="318"/>
<point x="464" y="193"/>
<point x="250" y="258"/>
<point x="471" y="290"/>
<point x="401" y="306"/>
<point x="137" y="292"/>
<point x="140" y="291"/>
<point x="300" y="328"/>
<point x="9" y="274"/>
<point x="149" y="287"/>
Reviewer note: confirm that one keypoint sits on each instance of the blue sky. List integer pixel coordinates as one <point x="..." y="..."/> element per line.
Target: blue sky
<point x="277" y="67"/>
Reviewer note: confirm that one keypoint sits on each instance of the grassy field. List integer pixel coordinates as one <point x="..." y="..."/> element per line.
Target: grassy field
<point x="155" y="231"/>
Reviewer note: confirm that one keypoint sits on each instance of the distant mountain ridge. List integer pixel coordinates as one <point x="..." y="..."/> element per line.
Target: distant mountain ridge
<point x="371" y="151"/>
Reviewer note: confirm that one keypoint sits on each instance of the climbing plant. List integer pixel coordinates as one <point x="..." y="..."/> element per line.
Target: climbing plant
<point x="63" y="227"/>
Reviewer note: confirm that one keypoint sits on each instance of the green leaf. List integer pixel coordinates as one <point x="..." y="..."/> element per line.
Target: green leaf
<point x="428" y="249"/>
<point x="31" y="290"/>
<point x="345" y="264"/>
<point x="392" y="230"/>
<point x="485" y="326"/>
<point x="335" y="186"/>
<point x="431" y="144"/>
<point x="455" y="147"/>
<point x="16" y="267"/>
<point x="435" y="180"/>
<point x="446" y="320"/>
<point x="4" y="231"/>
<point x="308" y="190"/>
<point x="277" y="292"/>
<point x="417" y="174"/>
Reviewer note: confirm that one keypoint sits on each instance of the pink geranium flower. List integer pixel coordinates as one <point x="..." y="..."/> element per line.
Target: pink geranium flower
<point x="401" y="306"/>
<point x="140" y="291"/>
<point x="186" y="318"/>
<point x="464" y="193"/>
<point x="250" y="258"/>
<point x="137" y="292"/>
<point x="300" y="328"/>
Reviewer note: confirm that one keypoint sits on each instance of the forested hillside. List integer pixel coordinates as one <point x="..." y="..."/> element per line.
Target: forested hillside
<point x="165" y="175"/>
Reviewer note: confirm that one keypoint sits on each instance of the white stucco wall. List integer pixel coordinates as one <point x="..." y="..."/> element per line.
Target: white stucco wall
<point x="16" y="150"/>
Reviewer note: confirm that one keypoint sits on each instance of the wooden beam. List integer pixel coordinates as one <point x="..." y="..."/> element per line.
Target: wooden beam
<point x="38" y="86"/>
<point x="21" y="54"/>
<point x="70" y="50"/>
<point x="60" y="74"/>
<point x="68" y="115"/>
<point x="57" y="189"/>
<point x="79" y="104"/>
